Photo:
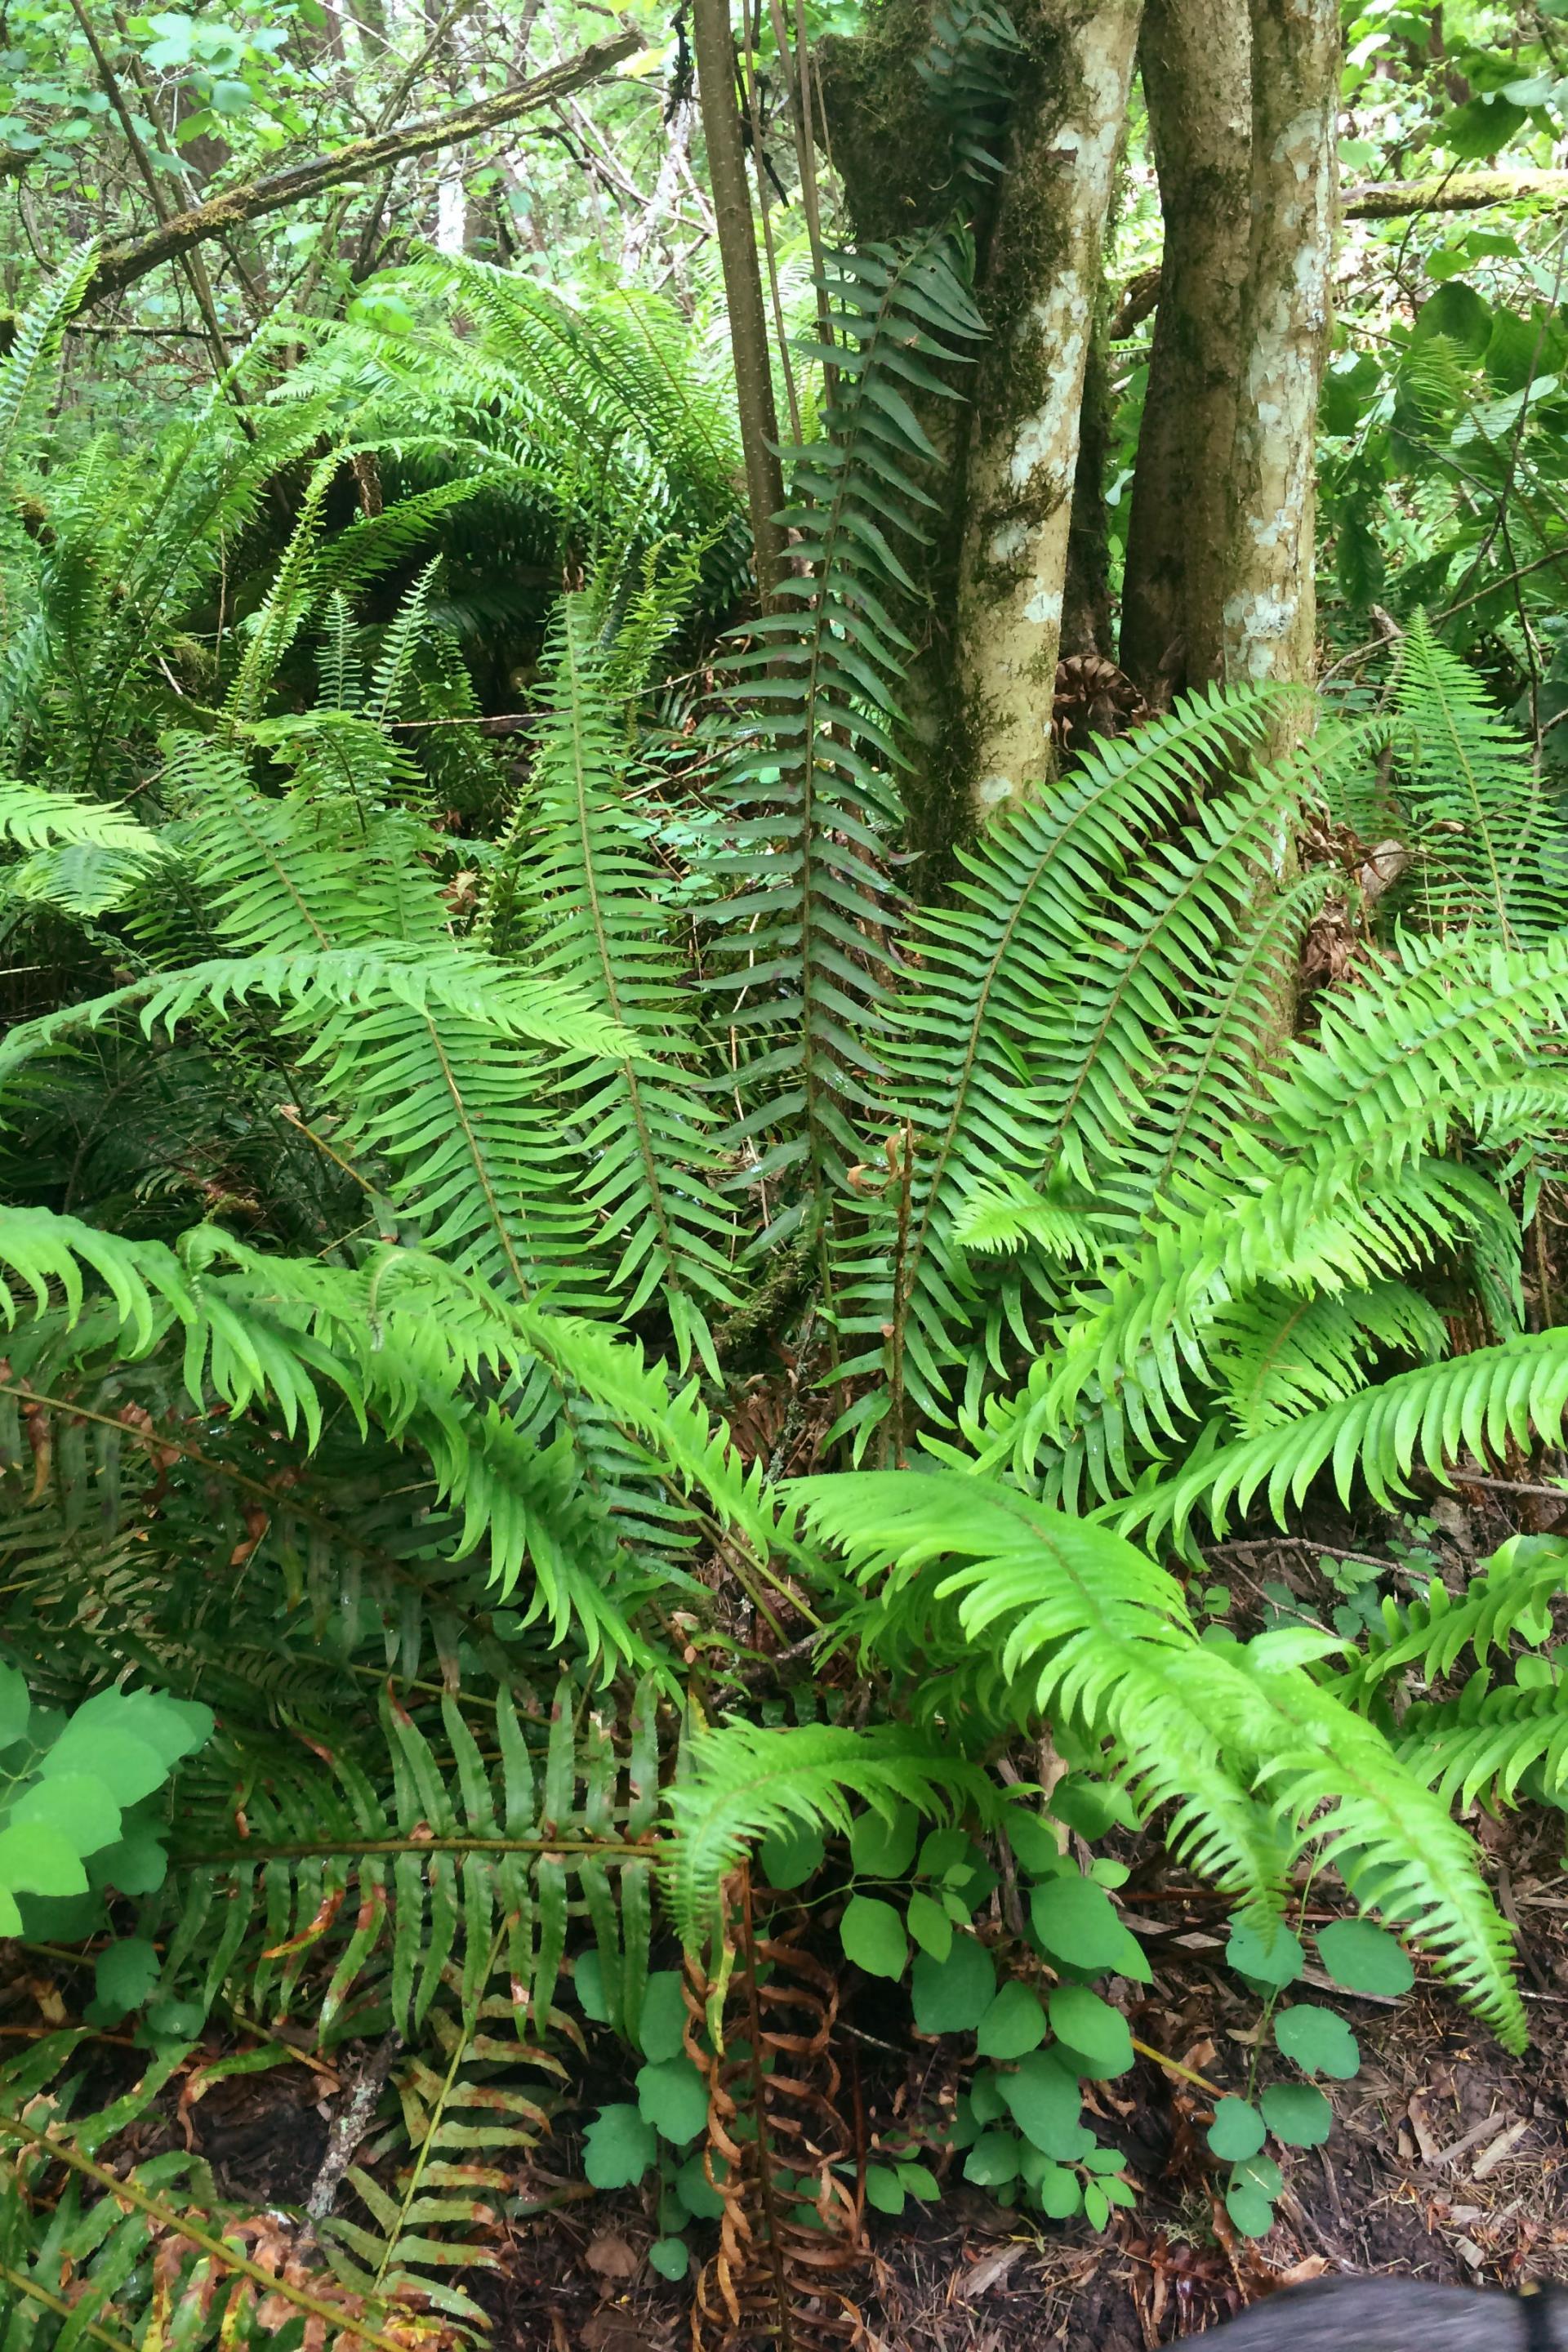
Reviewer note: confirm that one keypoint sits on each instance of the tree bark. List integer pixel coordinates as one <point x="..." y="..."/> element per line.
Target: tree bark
<point x="1195" y="58"/>
<point x="714" y="49"/>
<point x="1269" y="612"/>
<point x="122" y="265"/>
<point x="1040" y="284"/>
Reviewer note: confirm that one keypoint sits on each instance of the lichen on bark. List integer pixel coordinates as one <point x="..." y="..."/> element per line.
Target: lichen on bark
<point x="1041" y="283"/>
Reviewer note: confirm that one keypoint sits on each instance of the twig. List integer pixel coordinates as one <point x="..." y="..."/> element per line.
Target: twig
<point x="350" y="2125"/>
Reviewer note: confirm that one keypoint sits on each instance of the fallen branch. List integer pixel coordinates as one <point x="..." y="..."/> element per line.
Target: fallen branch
<point x="121" y="264"/>
<point x="1458" y="192"/>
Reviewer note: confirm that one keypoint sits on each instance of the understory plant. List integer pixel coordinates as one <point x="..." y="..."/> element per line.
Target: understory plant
<point x="413" y="1664"/>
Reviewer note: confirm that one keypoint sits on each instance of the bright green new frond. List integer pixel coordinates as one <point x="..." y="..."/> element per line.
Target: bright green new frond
<point x="1423" y="1418"/>
<point x="743" y="1782"/>
<point x="36" y="343"/>
<point x="1339" y="1783"/>
<point x="1511" y="1596"/>
<point x="997" y="1056"/>
<point x="315" y="986"/>
<point x="1280" y="1355"/>
<point x="1494" y="1745"/>
<point x="1492" y="850"/>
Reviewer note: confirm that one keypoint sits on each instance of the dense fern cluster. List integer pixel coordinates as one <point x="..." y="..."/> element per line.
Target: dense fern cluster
<point x="408" y="1139"/>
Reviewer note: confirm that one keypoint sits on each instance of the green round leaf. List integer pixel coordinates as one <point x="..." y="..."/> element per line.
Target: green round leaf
<point x="987" y="2096"/>
<point x="882" y="1848"/>
<point x="695" y="2191"/>
<point x="137" y="1865"/>
<point x="10" y="1916"/>
<point x="920" y="2181"/>
<point x="125" y="1973"/>
<point x="1364" y="1958"/>
<point x="992" y="2161"/>
<point x="672" y="2257"/>
<point x="175" y="2020"/>
<point x="1034" y="1842"/>
<point x="129" y="1767"/>
<point x="1091" y="1806"/>
<point x="1319" y="2041"/>
<point x="1058" y="2192"/>
<point x="1252" y="2214"/>
<point x="1092" y="2031"/>
<point x="618" y="2148"/>
<point x="952" y="1996"/>
<point x="942" y="1851"/>
<point x="77" y="1804"/>
<point x="673" y="2097"/>
<point x="1238" y="2129"/>
<point x="1298" y="2113"/>
<point x="1077" y="1921"/>
<point x="930" y="1926"/>
<point x="1259" y="2172"/>
<point x="789" y="1856"/>
<point x="661" y="2027"/>
<point x="1046" y="2103"/>
<point x="884" y="2189"/>
<point x="872" y="1935"/>
<point x="1013" y="2023"/>
<point x="36" y="1860"/>
<point x="1270" y="1959"/>
<point x="1096" y="2205"/>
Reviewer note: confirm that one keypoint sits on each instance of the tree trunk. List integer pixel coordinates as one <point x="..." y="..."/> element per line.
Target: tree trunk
<point x="715" y="48"/>
<point x="1271" y="613"/>
<point x="1040" y="284"/>
<point x="1198" y="81"/>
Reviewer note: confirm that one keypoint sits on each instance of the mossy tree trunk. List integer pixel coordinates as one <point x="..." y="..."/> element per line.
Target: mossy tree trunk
<point x="1269" y="613"/>
<point x="1039" y="291"/>
<point x="1196" y="60"/>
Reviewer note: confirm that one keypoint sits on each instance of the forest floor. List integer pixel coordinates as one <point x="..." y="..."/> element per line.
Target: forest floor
<point x="1448" y="2158"/>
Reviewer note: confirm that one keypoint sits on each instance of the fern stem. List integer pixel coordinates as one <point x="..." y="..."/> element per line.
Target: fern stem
<point x="632" y="1849"/>
<point x="180" y="2225"/>
<point x="56" y="2303"/>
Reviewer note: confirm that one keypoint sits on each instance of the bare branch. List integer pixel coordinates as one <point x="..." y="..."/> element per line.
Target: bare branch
<point x="121" y="264"/>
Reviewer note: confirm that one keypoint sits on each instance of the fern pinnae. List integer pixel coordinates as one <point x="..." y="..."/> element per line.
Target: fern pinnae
<point x="595" y="925"/>
<point x="36" y="343"/>
<point x="825" y="681"/>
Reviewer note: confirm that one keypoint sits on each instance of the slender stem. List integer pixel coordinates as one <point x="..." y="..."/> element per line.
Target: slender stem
<point x="180" y="2225"/>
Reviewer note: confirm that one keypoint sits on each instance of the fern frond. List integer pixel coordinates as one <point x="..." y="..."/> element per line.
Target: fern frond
<point x="36" y="343"/>
<point x="811" y="785"/>
<point x="1476" y="1402"/>
<point x="745" y="1780"/>
<point x="987" y="1050"/>
<point x="1493" y="850"/>
<point x="1511" y="1596"/>
<point x="598" y="931"/>
<point x="1278" y="1355"/>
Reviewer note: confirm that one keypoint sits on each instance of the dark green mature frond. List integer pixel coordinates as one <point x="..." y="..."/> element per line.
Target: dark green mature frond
<point x="806" y="940"/>
<point x="590" y="912"/>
